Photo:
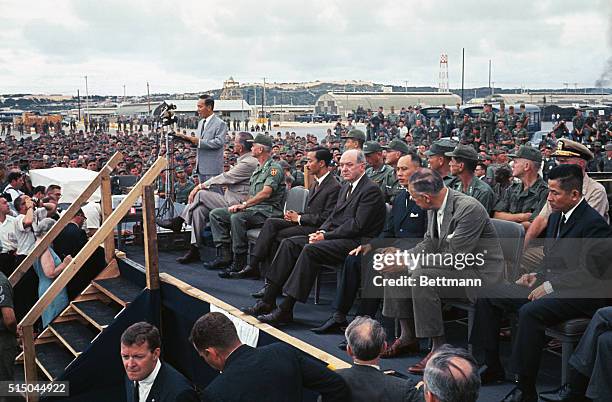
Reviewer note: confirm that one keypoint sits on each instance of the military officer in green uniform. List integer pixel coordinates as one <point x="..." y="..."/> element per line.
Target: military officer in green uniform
<point x="523" y="116"/>
<point x="433" y="132"/>
<point x="502" y="135"/>
<point x="443" y="120"/>
<point x="511" y="119"/>
<point x="438" y="161"/>
<point x="501" y="114"/>
<point x="520" y="134"/>
<point x="265" y="200"/>
<point x="418" y="133"/>
<point x="182" y="186"/>
<point x="487" y="122"/>
<point x="381" y="174"/>
<point x="392" y="117"/>
<point x="524" y="200"/>
<point x="395" y="150"/>
<point x="464" y="159"/>
<point x="465" y="127"/>
<point x="578" y="123"/>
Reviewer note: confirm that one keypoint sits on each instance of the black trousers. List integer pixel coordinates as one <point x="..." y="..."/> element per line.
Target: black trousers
<point x="25" y="293"/>
<point x="533" y="319"/>
<point x="357" y="274"/>
<point x="593" y="356"/>
<point x="7" y="263"/>
<point x="297" y="263"/>
<point x="272" y="233"/>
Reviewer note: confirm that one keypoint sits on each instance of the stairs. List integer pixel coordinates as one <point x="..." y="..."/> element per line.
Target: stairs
<point x="80" y="324"/>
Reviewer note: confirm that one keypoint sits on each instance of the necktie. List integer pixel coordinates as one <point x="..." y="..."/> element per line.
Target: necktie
<point x="348" y="193"/>
<point x="561" y="224"/>
<point x="136" y="392"/>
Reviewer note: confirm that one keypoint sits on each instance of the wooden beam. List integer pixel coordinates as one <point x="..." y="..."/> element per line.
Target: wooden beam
<point x="107" y="227"/>
<point x="107" y="210"/>
<point x="29" y="359"/>
<point x="63" y="221"/>
<point x="150" y="238"/>
<point x="332" y="361"/>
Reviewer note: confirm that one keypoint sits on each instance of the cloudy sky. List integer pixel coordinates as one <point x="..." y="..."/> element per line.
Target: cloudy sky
<point x="191" y="46"/>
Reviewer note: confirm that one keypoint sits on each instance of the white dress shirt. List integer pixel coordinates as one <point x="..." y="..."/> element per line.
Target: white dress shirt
<point x="440" y="213"/>
<point x="144" y="386"/>
<point x="319" y="181"/>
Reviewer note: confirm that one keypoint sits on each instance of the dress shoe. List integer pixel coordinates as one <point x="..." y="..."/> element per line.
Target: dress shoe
<point x="518" y="395"/>
<point x="489" y="376"/>
<point x="277" y="317"/>
<point x="222" y="260"/>
<point x="260" y="293"/>
<point x="563" y="394"/>
<point x="237" y="265"/>
<point x="247" y="272"/>
<point x="343" y="345"/>
<point x="175" y="224"/>
<point x="419" y="368"/>
<point x="261" y="307"/>
<point x="399" y="348"/>
<point x="331" y="326"/>
<point x="192" y="255"/>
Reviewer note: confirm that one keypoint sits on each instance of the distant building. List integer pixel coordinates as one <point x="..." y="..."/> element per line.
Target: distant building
<point x="343" y="103"/>
<point x="551" y="98"/>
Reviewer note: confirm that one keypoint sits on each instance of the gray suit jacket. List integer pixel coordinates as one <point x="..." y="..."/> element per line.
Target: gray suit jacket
<point x="236" y="180"/>
<point x="368" y="384"/>
<point x="209" y="160"/>
<point x="466" y="229"/>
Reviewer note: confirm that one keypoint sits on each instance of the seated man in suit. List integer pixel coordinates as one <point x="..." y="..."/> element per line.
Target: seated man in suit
<point x="451" y="375"/>
<point x="568" y="283"/>
<point x="408" y="221"/>
<point x="366" y="340"/>
<point x="147" y="378"/>
<point x="272" y="373"/>
<point x="359" y="213"/>
<point x="322" y="197"/>
<point x="204" y="199"/>
<point x="459" y="254"/>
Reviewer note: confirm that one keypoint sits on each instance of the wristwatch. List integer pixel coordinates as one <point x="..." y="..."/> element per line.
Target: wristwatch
<point x="244" y="203"/>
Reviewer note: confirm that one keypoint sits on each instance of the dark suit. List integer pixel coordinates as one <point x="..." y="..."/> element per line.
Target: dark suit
<point x="273" y="373"/>
<point x="570" y="263"/>
<point x="321" y="201"/>
<point x="360" y="217"/>
<point x="407" y="221"/>
<point x="169" y="386"/>
<point x="368" y="384"/>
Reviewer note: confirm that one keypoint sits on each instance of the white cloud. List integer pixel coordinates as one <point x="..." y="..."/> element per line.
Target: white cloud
<point x="195" y="45"/>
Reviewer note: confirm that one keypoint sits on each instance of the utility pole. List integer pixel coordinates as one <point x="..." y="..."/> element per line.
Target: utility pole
<point x="462" y="73"/>
<point x="86" y="100"/>
<point x="492" y="87"/>
<point x="148" y="98"/>
<point x="566" y="85"/>
<point x="490" y="76"/>
<point x="79" y="103"/>
<point x="263" y="100"/>
<point x="123" y="93"/>
<point x="405" y="85"/>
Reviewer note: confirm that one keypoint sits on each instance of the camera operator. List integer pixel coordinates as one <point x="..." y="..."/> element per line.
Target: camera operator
<point x="210" y="140"/>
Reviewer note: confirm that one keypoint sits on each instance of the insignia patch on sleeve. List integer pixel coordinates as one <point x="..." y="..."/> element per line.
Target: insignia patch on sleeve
<point x="273" y="172"/>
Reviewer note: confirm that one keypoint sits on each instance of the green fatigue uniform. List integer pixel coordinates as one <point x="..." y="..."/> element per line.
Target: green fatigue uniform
<point x="601" y="127"/>
<point x="524" y="118"/>
<point x="518" y="200"/>
<point x="479" y="190"/>
<point x="487" y="122"/>
<point x="181" y="191"/>
<point x="502" y="116"/>
<point x="466" y="136"/>
<point x="8" y="341"/>
<point x="393" y="118"/>
<point x="457" y="119"/>
<point x="433" y="133"/>
<point x="386" y="181"/>
<point x="521" y="135"/>
<point x="232" y="227"/>
<point x="418" y="134"/>
<point x="443" y="118"/>
<point x="420" y="116"/>
<point x="501" y="135"/>
<point x="511" y="119"/>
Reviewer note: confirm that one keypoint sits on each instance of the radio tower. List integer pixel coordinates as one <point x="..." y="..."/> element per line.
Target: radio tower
<point x="443" y="77"/>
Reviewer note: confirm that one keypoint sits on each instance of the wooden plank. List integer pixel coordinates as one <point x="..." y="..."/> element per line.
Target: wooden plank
<point x="107" y="227"/>
<point x="107" y="210"/>
<point x="29" y="363"/>
<point x="332" y="361"/>
<point x="63" y="221"/>
<point x="150" y="238"/>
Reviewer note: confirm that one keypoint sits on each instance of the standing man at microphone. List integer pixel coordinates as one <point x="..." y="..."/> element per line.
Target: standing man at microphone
<point x="210" y="140"/>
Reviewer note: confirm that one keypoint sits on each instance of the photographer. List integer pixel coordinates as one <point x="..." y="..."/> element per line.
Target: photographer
<point x="210" y="140"/>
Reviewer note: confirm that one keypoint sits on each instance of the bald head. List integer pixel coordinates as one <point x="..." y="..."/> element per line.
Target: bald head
<point x="451" y="375"/>
<point x="365" y="338"/>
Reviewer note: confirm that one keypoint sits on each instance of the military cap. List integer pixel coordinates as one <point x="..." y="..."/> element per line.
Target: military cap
<point x="398" y="145"/>
<point x="290" y="152"/>
<point x="284" y="164"/>
<point x="441" y="147"/>
<point x="262" y="139"/>
<point x="530" y="153"/>
<point x="609" y="146"/>
<point x="463" y="152"/>
<point x="571" y="148"/>
<point x="179" y="169"/>
<point x="356" y="134"/>
<point x="371" y="146"/>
